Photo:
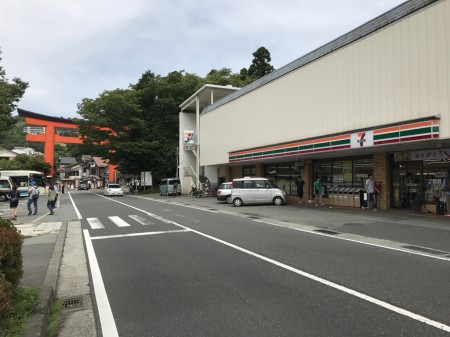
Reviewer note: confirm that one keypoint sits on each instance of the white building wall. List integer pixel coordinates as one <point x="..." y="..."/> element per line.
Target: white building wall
<point x="399" y="73"/>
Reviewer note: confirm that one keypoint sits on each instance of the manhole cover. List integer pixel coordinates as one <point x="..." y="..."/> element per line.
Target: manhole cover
<point x="72" y="303"/>
<point x="326" y="231"/>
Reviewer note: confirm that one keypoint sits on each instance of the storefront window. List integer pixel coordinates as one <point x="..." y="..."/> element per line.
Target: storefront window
<point x="361" y="169"/>
<point x="343" y="173"/>
<point x="283" y="175"/>
<point x="249" y="171"/>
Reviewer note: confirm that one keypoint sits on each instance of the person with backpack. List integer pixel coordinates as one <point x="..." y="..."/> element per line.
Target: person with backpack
<point x="51" y="199"/>
<point x="14" y="202"/>
<point x="33" y="196"/>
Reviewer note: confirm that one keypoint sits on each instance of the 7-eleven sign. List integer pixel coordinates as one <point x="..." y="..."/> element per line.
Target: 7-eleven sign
<point x="361" y="139"/>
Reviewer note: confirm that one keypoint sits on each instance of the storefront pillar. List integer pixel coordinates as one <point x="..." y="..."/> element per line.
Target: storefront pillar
<point x="307" y="177"/>
<point x="381" y="173"/>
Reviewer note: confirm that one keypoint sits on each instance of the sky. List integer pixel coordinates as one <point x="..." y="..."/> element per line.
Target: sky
<point x="70" y="50"/>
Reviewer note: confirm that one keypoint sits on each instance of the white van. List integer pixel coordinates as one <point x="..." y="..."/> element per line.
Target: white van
<point x="256" y="191"/>
<point x="166" y="186"/>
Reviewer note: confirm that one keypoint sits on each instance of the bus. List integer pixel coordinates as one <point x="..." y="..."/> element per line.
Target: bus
<point x="23" y="178"/>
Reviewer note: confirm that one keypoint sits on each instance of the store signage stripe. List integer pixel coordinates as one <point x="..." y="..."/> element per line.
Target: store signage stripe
<point x="388" y="135"/>
<point x="415" y="131"/>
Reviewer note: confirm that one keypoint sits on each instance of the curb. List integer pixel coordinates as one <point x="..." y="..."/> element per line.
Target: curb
<point x="37" y="323"/>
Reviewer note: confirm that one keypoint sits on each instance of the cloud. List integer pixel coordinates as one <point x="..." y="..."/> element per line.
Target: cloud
<point x="76" y="49"/>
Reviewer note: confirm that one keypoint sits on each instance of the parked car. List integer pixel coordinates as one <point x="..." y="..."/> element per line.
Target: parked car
<point x="5" y="188"/>
<point x="83" y="186"/>
<point x="224" y="192"/>
<point x="166" y="186"/>
<point x="256" y="191"/>
<point x="113" y="189"/>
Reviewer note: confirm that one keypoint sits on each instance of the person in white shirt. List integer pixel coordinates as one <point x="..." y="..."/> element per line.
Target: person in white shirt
<point x="371" y="193"/>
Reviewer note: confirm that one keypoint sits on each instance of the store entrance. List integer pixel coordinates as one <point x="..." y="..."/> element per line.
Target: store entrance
<point x="406" y="183"/>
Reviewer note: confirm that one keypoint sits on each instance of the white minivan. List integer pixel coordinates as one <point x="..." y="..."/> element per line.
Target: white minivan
<point x="166" y="186"/>
<point x="256" y="191"/>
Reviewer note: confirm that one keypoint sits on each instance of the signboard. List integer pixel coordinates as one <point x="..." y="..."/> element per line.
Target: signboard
<point x="146" y="178"/>
<point x="431" y="154"/>
<point x="362" y="139"/>
<point x="188" y="140"/>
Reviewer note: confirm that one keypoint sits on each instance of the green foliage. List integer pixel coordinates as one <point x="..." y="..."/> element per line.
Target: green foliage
<point x="260" y="65"/>
<point x="52" y="327"/>
<point x="25" y="162"/>
<point x="11" y="270"/>
<point x="138" y="128"/>
<point x="10" y="94"/>
<point x="15" y="137"/>
<point x="24" y="302"/>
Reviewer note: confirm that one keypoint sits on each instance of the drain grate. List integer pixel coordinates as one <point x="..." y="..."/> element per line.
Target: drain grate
<point x="72" y="303"/>
<point x="326" y="231"/>
<point x="426" y="250"/>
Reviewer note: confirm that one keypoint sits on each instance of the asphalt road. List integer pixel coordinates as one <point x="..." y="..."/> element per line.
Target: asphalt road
<point x="168" y="268"/>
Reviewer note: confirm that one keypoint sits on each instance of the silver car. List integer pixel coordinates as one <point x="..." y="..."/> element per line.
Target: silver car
<point x="224" y="192"/>
<point x="256" y="191"/>
<point x="113" y="189"/>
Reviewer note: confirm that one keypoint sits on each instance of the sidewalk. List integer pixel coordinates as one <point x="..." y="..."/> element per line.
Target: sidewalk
<point x="54" y="257"/>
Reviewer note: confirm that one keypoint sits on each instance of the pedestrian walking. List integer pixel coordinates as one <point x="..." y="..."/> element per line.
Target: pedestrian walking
<point x="299" y="183"/>
<point x="14" y="202"/>
<point x="318" y="191"/>
<point x="175" y="190"/>
<point x="33" y="196"/>
<point x="51" y="199"/>
<point x="55" y="188"/>
<point x="371" y="193"/>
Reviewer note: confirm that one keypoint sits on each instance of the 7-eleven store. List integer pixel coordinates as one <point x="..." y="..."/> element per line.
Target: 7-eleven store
<point x="375" y="100"/>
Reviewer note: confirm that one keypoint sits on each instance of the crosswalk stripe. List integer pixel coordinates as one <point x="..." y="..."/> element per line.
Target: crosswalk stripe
<point x="141" y="220"/>
<point x="95" y="223"/>
<point x="118" y="221"/>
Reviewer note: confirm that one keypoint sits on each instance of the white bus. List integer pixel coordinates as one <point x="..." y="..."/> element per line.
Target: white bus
<point x="23" y="178"/>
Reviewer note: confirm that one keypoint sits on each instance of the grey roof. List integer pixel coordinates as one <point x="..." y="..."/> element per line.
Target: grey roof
<point x="68" y="160"/>
<point x="393" y="15"/>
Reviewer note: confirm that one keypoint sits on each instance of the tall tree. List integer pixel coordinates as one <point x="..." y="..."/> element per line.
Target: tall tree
<point x="260" y="65"/>
<point x="137" y="128"/>
<point x="10" y="94"/>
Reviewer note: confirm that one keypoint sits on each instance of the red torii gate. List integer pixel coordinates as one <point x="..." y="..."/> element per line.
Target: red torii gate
<point x="47" y="126"/>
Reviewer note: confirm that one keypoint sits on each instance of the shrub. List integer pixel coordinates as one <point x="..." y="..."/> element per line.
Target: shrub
<point x="11" y="268"/>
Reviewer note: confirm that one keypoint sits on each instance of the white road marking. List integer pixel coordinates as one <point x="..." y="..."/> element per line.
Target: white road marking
<point x="336" y="286"/>
<point x="118" y="221"/>
<point x="349" y="291"/>
<point x="107" y="322"/>
<point x="141" y="220"/>
<point x="138" y="234"/>
<point x="95" y="223"/>
<point x="75" y="207"/>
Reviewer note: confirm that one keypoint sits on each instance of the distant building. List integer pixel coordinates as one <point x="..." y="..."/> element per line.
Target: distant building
<point x="26" y="150"/>
<point x="6" y="154"/>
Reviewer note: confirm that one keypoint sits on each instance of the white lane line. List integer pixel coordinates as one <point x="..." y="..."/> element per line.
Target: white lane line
<point x="349" y="291"/>
<point x="75" y="207"/>
<point x="141" y="220"/>
<point x="138" y="234"/>
<point x="118" y="221"/>
<point x="95" y="223"/>
<point x="104" y="308"/>
<point x="340" y="237"/>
